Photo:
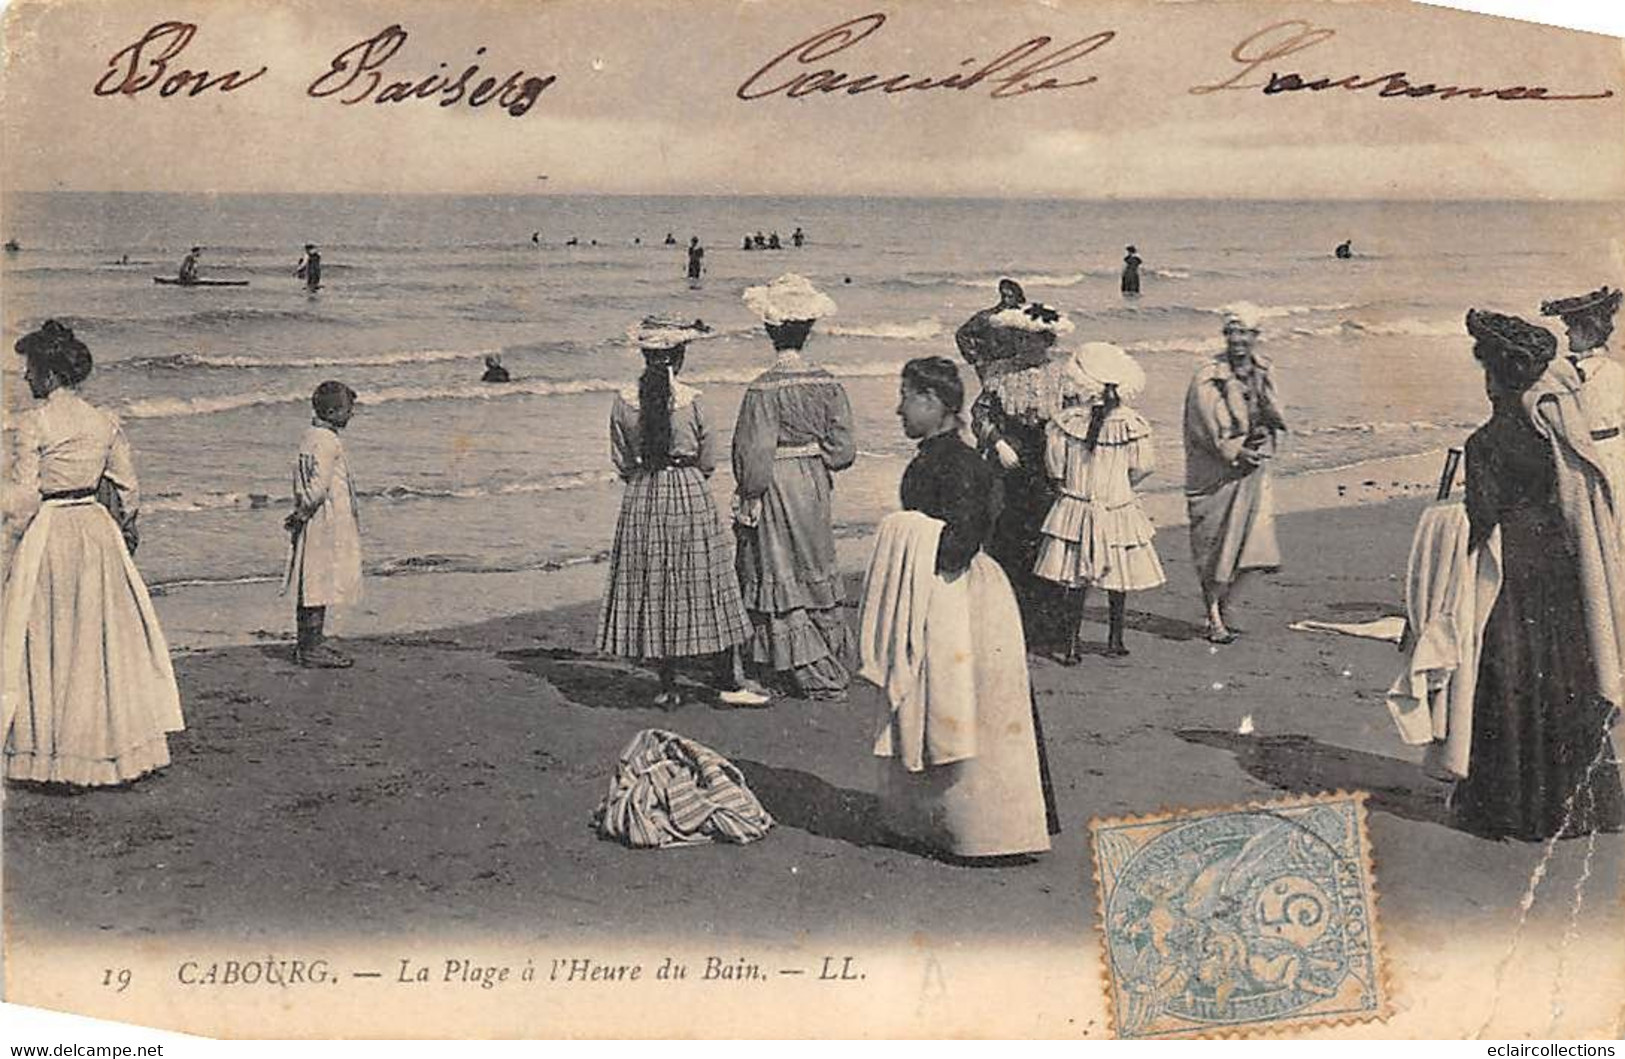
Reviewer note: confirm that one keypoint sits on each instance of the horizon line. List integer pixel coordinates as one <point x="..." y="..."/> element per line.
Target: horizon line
<point x="1035" y="197"/>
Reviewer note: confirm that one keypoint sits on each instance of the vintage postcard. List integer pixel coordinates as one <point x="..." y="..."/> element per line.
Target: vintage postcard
<point x="1035" y="518"/>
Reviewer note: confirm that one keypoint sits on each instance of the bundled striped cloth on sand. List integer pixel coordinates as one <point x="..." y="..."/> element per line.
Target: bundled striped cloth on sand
<point x="671" y="791"/>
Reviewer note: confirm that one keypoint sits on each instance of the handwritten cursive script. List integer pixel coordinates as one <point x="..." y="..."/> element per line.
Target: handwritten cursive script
<point x="358" y="70"/>
<point x="354" y="75"/>
<point x="1013" y="73"/>
<point x="139" y="66"/>
<point x="1280" y="39"/>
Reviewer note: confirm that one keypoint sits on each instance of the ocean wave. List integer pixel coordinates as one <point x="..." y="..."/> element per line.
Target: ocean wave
<point x="170" y="407"/>
<point x="1386" y="427"/>
<point x="1277" y="312"/>
<point x="183" y="502"/>
<point x="434" y="563"/>
<point x="180" y="361"/>
<point x="1270" y="316"/>
<point x="918" y="331"/>
<point x="1189" y="344"/>
<point x="1387" y="329"/>
<point x="87" y="269"/>
<point x="990" y="280"/>
<point x="221" y="318"/>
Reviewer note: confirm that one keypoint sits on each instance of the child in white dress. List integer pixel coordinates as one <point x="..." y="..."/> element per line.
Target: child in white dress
<point x="1097" y="450"/>
<point x="324" y="569"/>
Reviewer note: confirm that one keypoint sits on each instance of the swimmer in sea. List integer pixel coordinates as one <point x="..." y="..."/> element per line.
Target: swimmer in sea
<point x="494" y="371"/>
<point x="696" y="258"/>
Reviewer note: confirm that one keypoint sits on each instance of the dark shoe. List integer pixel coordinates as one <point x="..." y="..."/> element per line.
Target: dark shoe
<point x="321" y="656"/>
<point x="1116" y="650"/>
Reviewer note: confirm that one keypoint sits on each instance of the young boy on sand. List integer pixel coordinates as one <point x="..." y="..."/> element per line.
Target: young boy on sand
<point x="325" y="567"/>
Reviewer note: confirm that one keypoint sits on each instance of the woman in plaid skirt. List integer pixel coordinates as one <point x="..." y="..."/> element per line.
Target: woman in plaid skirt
<point x="672" y="592"/>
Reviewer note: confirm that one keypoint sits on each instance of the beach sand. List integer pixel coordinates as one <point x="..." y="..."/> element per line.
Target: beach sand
<point x="442" y="787"/>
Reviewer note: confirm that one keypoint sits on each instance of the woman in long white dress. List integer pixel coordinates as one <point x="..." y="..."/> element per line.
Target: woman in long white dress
<point x="965" y="774"/>
<point x="90" y="694"/>
<point x="1589" y="321"/>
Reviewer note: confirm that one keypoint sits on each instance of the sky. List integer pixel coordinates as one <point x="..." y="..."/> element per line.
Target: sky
<point x="645" y="102"/>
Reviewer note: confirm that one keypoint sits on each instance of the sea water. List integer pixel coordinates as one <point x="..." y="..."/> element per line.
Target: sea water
<point x="213" y="384"/>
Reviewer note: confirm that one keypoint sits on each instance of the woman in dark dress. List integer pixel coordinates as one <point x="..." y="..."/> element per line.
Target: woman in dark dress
<point x="1022" y="390"/>
<point x="1131" y="272"/>
<point x="1540" y="764"/>
<point x="987" y="796"/>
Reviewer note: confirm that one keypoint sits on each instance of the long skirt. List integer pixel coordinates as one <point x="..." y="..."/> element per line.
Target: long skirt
<point x="791" y="584"/>
<point x="1541" y="763"/>
<point x="671" y="590"/>
<point x="1233" y="529"/>
<point x="997" y="802"/>
<point x="1611" y="451"/>
<point x="1025" y="497"/>
<point x="90" y="693"/>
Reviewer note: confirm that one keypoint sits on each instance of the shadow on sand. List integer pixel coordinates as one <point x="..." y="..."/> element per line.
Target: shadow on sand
<point x="1300" y="765"/>
<point x="588" y="680"/>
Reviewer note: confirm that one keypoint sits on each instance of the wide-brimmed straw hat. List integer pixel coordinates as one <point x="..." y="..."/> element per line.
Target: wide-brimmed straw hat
<point x="790" y="297"/>
<point x="1094" y="366"/>
<point x="667" y="332"/>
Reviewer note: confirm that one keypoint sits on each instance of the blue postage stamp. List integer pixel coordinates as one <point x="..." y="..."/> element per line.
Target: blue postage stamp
<point x="1239" y="920"/>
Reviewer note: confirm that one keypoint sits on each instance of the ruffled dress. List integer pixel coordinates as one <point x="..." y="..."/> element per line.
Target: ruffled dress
<point x="1097" y="534"/>
<point x="793" y="434"/>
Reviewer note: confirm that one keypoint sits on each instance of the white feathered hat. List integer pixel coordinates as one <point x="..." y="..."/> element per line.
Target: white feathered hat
<point x="1032" y="317"/>
<point x="1094" y="366"/>
<point x="666" y="332"/>
<point x="790" y="297"/>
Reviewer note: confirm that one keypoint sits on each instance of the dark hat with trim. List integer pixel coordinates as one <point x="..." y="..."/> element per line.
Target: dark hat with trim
<point x="56" y="348"/>
<point x="1510" y="348"/>
<point x="1602" y="301"/>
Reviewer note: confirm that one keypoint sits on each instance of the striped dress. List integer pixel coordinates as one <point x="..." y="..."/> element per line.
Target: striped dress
<point x="671" y="591"/>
